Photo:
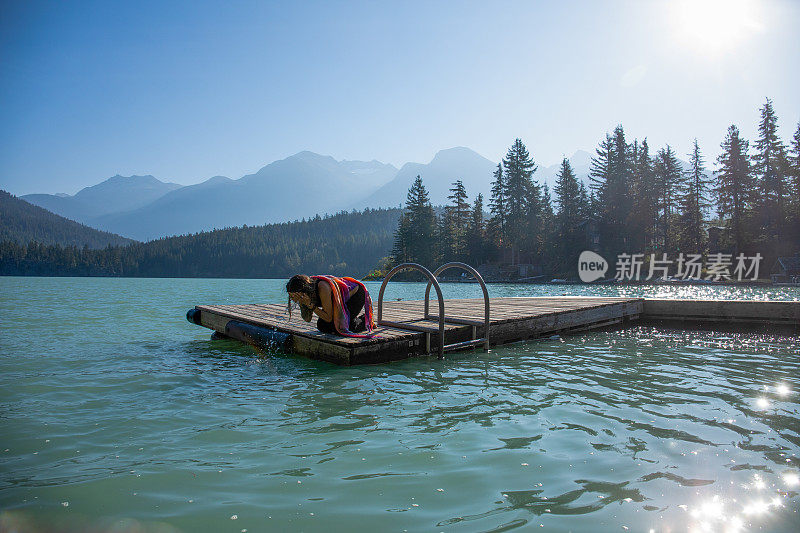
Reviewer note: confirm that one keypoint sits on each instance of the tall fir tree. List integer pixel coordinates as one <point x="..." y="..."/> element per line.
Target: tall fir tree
<point x="668" y="174"/>
<point x="477" y="245"/>
<point x="644" y="200"/>
<point x="415" y="238"/>
<point x="733" y="187"/>
<point x="794" y="165"/>
<point x="534" y="233"/>
<point x="456" y="216"/>
<point x="611" y="182"/>
<point x="547" y="228"/>
<point x="443" y="239"/>
<point x="694" y="204"/>
<point x="600" y="168"/>
<point x="498" y="208"/>
<point x="567" y="190"/>
<point x="522" y="196"/>
<point x="585" y="202"/>
<point x="770" y="171"/>
<point x="401" y="252"/>
<point x="570" y="195"/>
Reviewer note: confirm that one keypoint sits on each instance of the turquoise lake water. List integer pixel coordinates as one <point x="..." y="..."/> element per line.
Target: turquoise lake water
<point x="116" y="414"/>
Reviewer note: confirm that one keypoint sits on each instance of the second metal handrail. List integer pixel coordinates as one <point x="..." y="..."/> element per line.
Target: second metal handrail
<point x="433" y="281"/>
<point x="473" y="323"/>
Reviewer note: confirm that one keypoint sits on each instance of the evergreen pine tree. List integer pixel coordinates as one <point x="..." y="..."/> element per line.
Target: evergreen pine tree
<point x="668" y="174"/>
<point x="460" y="206"/>
<point x="794" y="165"/>
<point x="769" y="169"/>
<point x="443" y="238"/>
<point x="522" y="196"/>
<point x="476" y="234"/>
<point x="694" y="204"/>
<point x="733" y="187"/>
<point x="570" y="199"/>
<point x="568" y="194"/>
<point x="456" y="216"/>
<point x="535" y="230"/>
<point x="584" y="202"/>
<point x="416" y="233"/>
<point x="498" y="208"/>
<point x="611" y="183"/>
<point x="547" y="228"/>
<point x="644" y="200"/>
<point x="601" y="166"/>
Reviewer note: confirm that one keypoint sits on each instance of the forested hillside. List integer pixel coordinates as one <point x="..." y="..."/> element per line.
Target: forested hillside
<point x="22" y="222"/>
<point x="342" y="244"/>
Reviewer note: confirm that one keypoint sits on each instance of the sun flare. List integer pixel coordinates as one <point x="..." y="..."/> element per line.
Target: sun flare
<point x="715" y="26"/>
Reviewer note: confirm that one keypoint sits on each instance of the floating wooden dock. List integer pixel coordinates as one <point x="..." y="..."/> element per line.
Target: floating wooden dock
<point x="511" y="319"/>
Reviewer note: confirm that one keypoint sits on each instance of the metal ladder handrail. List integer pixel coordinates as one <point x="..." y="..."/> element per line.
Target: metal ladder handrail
<point x="431" y="280"/>
<point x="476" y="274"/>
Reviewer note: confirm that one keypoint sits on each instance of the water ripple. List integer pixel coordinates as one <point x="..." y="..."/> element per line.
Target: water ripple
<point x="105" y="419"/>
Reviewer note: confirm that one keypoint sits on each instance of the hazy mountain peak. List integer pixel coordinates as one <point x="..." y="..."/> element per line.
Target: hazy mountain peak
<point x="307" y="155"/>
<point x="411" y="167"/>
<point x="116" y="179"/>
<point x="214" y="180"/>
<point x="297" y="165"/>
<point x="366" y="166"/>
<point x="580" y="158"/>
<point x="116" y="194"/>
<point x="457" y="153"/>
<point x="448" y="165"/>
<point x="114" y="183"/>
<point x="359" y="163"/>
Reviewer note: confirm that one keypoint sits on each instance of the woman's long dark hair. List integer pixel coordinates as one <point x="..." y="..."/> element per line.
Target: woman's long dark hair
<point x="304" y="284"/>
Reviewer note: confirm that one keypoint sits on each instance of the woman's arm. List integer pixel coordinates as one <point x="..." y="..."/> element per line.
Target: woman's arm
<point x="325" y="311"/>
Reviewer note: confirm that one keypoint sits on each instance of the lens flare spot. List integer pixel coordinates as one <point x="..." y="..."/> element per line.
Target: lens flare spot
<point x="735" y="524"/>
<point x="756" y="508"/>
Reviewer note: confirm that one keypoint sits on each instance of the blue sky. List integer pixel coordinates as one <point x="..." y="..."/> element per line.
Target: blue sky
<point x="186" y="91"/>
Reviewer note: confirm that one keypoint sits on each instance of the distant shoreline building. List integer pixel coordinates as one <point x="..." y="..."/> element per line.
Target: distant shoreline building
<point x="786" y="270"/>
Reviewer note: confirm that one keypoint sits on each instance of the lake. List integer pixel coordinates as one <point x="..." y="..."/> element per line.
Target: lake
<point x="119" y="415"/>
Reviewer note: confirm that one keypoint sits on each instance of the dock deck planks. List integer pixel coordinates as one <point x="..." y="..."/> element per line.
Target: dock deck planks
<point x="512" y="319"/>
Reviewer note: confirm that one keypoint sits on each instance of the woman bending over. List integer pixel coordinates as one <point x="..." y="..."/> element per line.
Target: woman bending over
<point x="337" y="302"/>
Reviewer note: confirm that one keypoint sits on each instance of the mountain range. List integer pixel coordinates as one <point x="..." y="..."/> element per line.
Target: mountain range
<point x="114" y="195"/>
<point x="300" y="186"/>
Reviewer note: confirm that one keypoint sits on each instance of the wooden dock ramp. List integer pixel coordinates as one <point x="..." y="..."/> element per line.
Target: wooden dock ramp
<point x="511" y="319"/>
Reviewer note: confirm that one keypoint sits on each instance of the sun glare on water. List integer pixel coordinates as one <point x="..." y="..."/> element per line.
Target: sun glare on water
<point x="715" y="26"/>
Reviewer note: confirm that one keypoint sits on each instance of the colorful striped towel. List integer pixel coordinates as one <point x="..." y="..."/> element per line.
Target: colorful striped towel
<point x="340" y="289"/>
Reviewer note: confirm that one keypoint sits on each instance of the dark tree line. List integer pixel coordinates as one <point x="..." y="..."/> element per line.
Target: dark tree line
<point x="636" y="202"/>
<point x="23" y="222"/>
<point x="342" y="244"/>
